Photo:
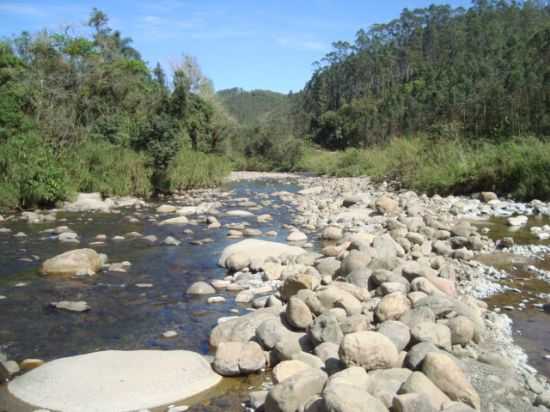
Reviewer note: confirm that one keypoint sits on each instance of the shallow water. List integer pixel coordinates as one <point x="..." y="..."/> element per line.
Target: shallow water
<point x="531" y="327"/>
<point x="123" y="316"/>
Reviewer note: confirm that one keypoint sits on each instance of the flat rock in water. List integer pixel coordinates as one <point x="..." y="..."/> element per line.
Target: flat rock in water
<point x="73" y="262"/>
<point x="112" y="381"/>
<point x="259" y="250"/>
<point x="78" y="306"/>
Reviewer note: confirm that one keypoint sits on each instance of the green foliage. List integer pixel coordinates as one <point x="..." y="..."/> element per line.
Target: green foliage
<point x="109" y="169"/>
<point x="29" y="173"/>
<point x="483" y="71"/>
<point x="519" y="166"/>
<point x="190" y="170"/>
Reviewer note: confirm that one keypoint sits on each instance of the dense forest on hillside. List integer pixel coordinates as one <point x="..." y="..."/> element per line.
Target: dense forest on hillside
<point x="254" y="107"/>
<point x="483" y="72"/>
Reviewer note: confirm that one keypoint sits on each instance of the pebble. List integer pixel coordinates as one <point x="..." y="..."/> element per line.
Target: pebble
<point x="170" y="334"/>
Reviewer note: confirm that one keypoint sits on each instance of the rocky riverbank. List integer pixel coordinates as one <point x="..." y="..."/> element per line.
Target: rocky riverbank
<point x="368" y="299"/>
<point x="386" y="316"/>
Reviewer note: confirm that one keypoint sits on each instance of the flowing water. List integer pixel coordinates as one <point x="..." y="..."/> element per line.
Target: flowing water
<point x="127" y="316"/>
<point x="526" y="291"/>
<point x="124" y="315"/>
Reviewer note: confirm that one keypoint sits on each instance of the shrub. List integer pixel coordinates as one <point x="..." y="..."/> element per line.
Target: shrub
<point x="30" y="175"/>
<point x="192" y="169"/>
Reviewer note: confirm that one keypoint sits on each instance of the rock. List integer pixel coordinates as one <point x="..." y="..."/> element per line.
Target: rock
<point x="420" y="384"/>
<point x="272" y="271"/>
<point x="417" y="353"/>
<point x="79" y="306"/>
<point x="270" y="331"/>
<point x="294" y="283"/>
<point x="328" y="266"/>
<point x="168" y="209"/>
<point x="87" y="202"/>
<point x="543" y="399"/>
<point x="517" y="221"/>
<point x="332" y="233"/>
<point x="73" y="262"/>
<point x="448" y="377"/>
<point x="293" y="392"/>
<point x="298" y="314"/>
<point x="370" y="350"/>
<point x="386" y="248"/>
<point x="344" y="397"/>
<point x="335" y="297"/>
<point x="237" y="261"/>
<point x="257" y="399"/>
<point x="393" y="306"/>
<point x="216" y="299"/>
<point x="68" y="237"/>
<point x="418" y="315"/>
<point x="180" y="220"/>
<point x="29" y="364"/>
<point x="246" y="296"/>
<point x="237" y="358"/>
<point x="201" y="288"/>
<point x="461" y="407"/>
<point x="171" y="241"/>
<point x="488" y="196"/>
<point x="115" y="380"/>
<point x="311" y="300"/>
<point x="239" y="213"/>
<point x="286" y="369"/>
<point x="296" y="236"/>
<point x="412" y="402"/>
<point x="386" y="204"/>
<point x="325" y="328"/>
<point x="242" y="328"/>
<point x="169" y="334"/>
<point x="462" y="330"/>
<point x="259" y="249"/>
<point x="355" y="260"/>
<point x="436" y="333"/>
<point x="397" y="332"/>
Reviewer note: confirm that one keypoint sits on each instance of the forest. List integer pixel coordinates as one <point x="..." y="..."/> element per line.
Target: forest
<point x="441" y="99"/>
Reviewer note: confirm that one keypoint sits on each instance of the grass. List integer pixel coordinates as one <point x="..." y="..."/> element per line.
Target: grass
<point x="519" y="167"/>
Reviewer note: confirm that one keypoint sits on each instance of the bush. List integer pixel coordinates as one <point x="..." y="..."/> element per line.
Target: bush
<point x="191" y="169"/>
<point x="108" y="169"/>
<point x="30" y="175"/>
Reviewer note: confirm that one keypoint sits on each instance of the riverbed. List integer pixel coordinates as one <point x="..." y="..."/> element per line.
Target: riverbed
<point x="132" y="309"/>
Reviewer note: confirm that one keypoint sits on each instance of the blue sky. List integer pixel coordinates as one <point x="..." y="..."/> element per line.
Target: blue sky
<point x="265" y="44"/>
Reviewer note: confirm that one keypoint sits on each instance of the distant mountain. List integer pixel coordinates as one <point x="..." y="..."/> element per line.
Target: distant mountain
<point x="254" y="107"/>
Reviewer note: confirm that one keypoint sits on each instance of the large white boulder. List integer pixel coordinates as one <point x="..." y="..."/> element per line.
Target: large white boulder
<point x="87" y="202"/>
<point x="73" y="262"/>
<point x="115" y="381"/>
<point x="259" y="250"/>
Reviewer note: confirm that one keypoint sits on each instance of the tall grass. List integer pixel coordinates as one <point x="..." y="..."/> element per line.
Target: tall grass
<point x="189" y="170"/>
<point x="519" y="167"/>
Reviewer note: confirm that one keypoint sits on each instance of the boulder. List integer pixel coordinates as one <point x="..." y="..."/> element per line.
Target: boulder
<point x="325" y="328"/>
<point x="334" y="296"/>
<point x="180" y="220"/>
<point x="296" y="236"/>
<point x="436" y="333"/>
<point x="385" y="204"/>
<point x="294" y="283"/>
<point x="370" y="350"/>
<point x="448" y="377"/>
<point x="412" y="402"/>
<point x="416" y="354"/>
<point x="397" y="332"/>
<point x="237" y="261"/>
<point x="344" y="397"/>
<point x="115" y="381"/>
<point x="87" y="202"/>
<point x="201" y="288"/>
<point x="73" y="262"/>
<point x="295" y="391"/>
<point x="288" y="368"/>
<point x="298" y="314"/>
<point x="462" y="330"/>
<point x="260" y="250"/>
<point x="418" y="383"/>
<point x="237" y="358"/>
<point x="393" y="306"/>
<point x="332" y="233"/>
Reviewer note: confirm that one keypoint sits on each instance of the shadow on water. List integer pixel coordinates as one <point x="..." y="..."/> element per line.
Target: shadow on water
<point x="123" y="315"/>
<point x="531" y="327"/>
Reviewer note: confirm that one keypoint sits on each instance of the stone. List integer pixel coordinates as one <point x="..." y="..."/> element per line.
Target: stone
<point x="171" y="241"/>
<point x="370" y="350"/>
<point x="325" y="328"/>
<point x="386" y="248"/>
<point x="168" y="209"/>
<point x="311" y="300"/>
<point x="257" y="399"/>
<point x="488" y="196"/>
<point x="79" y="306"/>
<point x="448" y="377"/>
<point x="237" y="261"/>
<point x="462" y="330"/>
<point x="245" y="296"/>
<point x="237" y="358"/>
<point x="115" y="381"/>
<point x="169" y="334"/>
<point x="328" y="266"/>
<point x="242" y="328"/>
<point x="72" y="263"/>
<point x="29" y="364"/>
<point x="397" y="332"/>
<point x="417" y="353"/>
<point x="517" y="221"/>
<point x="393" y="306"/>
<point x="334" y="296"/>
<point x="332" y="233"/>
<point x="269" y="332"/>
<point x="298" y="314"/>
<point x="180" y="220"/>
<point x="288" y="368"/>
<point x="419" y="383"/>
<point x="293" y="392"/>
<point x="87" y="202"/>
<point x="296" y="236"/>
<point x="543" y="399"/>
<point x="418" y="315"/>
<point x="436" y="333"/>
<point x="272" y="271"/>
<point x="239" y="213"/>
<point x="259" y="249"/>
<point x="412" y="402"/>
<point x="355" y="260"/>
<point x="344" y="397"/>
<point x="385" y="204"/>
<point x="201" y="288"/>
<point x="294" y="283"/>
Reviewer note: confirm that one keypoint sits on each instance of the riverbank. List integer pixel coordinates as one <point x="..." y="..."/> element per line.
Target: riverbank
<point x="355" y="252"/>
